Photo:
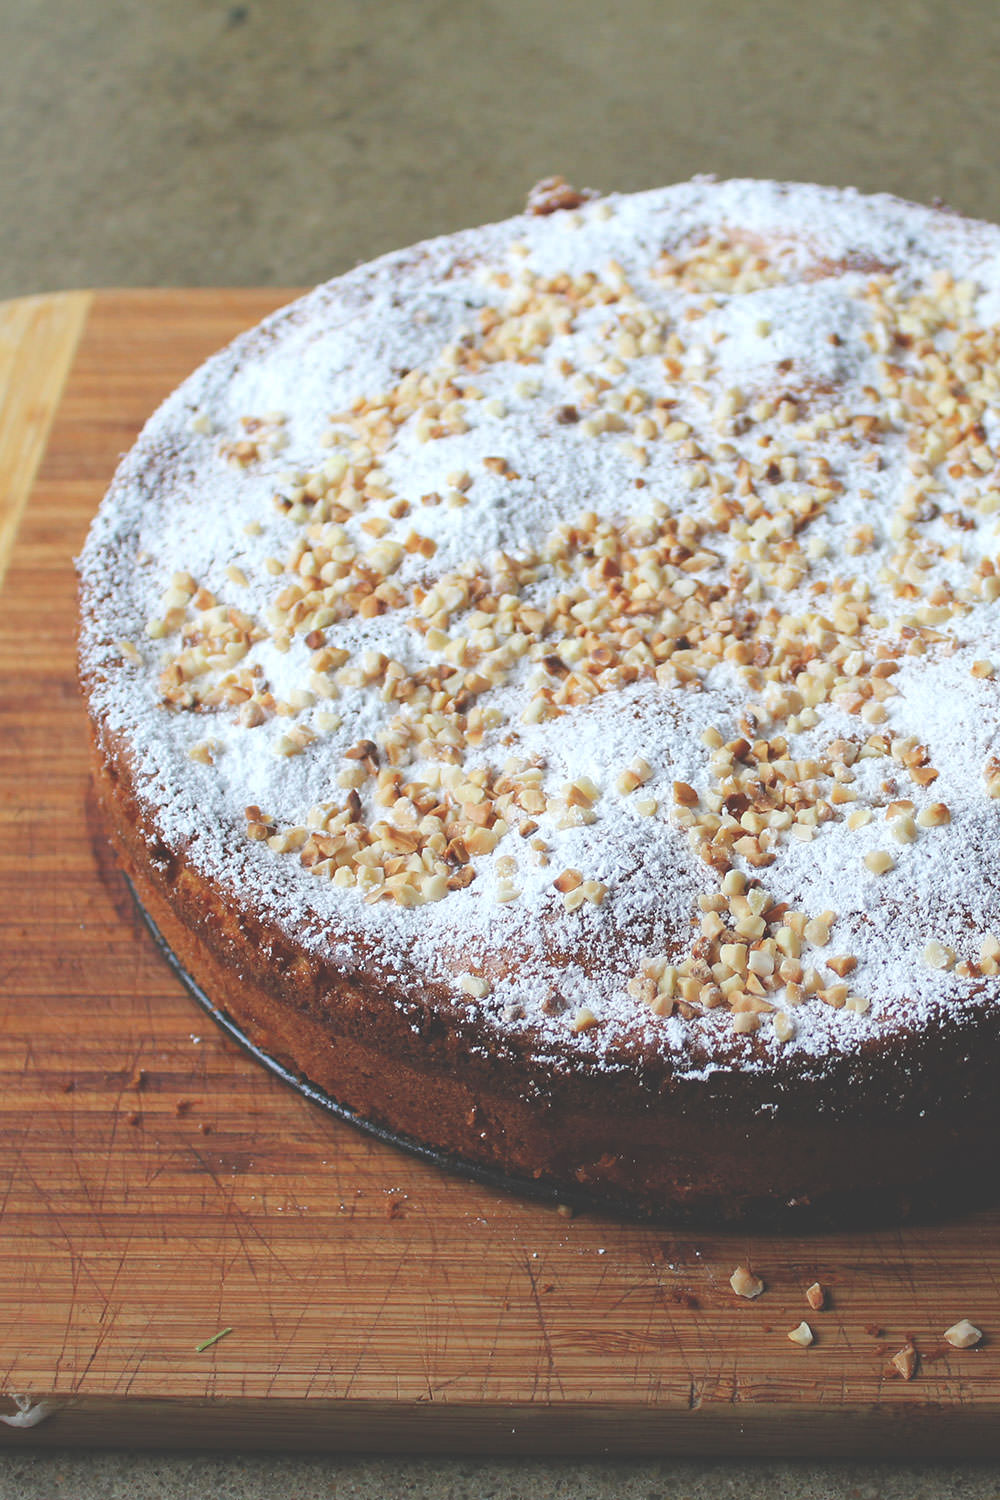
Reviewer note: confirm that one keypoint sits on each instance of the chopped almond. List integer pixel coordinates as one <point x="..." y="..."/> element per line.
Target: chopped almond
<point x="745" y="1284"/>
<point x="963" y="1335"/>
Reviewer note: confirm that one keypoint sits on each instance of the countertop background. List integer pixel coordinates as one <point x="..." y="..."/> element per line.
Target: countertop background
<point x="199" y="142"/>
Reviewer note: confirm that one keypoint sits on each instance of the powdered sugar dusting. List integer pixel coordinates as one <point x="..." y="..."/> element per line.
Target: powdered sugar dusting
<point x="591" y="380"/>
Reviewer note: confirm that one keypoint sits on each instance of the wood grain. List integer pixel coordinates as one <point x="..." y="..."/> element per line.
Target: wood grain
<point x="156" y="1186"/>
<point x="38" y="338"/>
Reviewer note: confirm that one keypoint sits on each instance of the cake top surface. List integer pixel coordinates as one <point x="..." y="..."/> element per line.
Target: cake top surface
<point x="593" y="616"/>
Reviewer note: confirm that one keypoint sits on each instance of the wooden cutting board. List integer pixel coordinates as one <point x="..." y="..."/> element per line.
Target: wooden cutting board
<point x="158" y="1187"/>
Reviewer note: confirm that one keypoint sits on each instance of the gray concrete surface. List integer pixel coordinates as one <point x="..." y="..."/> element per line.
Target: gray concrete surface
<point x="187" y="142"/>
<point x="122" y="1477"/>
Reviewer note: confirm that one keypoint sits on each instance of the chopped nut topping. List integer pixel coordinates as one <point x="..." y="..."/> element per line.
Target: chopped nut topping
<point x="905" y="1361"/>
<point x="816" y="1297"/>
<point x="554" y="195"/>
<point x="939" y="956"/>
<point x="802" y="1335"/>
<point x="584" y="1019"/>
<point x="784" y="1026"/>
<point x="129" y="653"/>
<point x="204" y="752"/>
<point x="904" y="829"/>
<point x="654" y="596"/>
<point x="934" y="816"/>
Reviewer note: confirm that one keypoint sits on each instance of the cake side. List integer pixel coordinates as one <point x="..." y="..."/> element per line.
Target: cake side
<point x="907" y="1127"/>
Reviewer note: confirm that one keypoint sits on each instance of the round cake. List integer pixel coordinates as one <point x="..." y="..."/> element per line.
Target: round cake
<point x="544" y="690"/>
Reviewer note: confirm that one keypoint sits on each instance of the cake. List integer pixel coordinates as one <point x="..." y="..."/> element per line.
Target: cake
<point x="543" y="688"/>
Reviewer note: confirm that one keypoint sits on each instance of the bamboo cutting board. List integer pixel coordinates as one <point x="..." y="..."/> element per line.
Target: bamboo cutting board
<point x="158" y="1187"/>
